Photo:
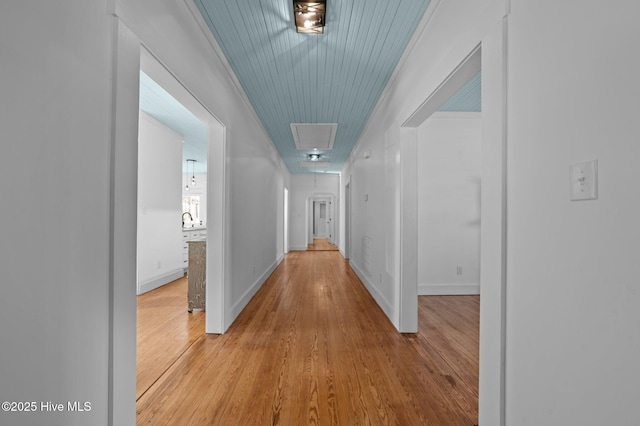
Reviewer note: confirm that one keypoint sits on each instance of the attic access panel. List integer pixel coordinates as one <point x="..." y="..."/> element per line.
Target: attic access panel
<point x="308" y="136"/>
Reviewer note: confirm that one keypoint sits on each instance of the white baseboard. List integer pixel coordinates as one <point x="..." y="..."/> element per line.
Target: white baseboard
<point x="246" y="297"/>
<point x="384" y="304"/>
<point x="447" y="289"/>
<point x="159" y="281"/>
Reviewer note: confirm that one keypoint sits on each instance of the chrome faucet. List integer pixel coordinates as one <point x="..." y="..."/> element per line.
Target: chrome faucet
<point x="190" y="217"/>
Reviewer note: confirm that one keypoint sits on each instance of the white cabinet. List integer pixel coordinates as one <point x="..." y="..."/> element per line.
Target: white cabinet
<point x="190" y="235"/>
<point x="185" y="249"/>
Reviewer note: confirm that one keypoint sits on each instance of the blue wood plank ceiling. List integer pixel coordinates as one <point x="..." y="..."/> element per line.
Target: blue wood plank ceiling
<point x="336" y="77"/>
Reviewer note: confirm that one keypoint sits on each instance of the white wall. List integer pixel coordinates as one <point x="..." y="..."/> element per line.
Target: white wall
<point x="373" y="207"/>
<point x="54" y="185"/>
<point x="573" y="321"/>
<point x="449" y="172"/>
<point x="159" y="204"/>
<point x="302" y="188"/>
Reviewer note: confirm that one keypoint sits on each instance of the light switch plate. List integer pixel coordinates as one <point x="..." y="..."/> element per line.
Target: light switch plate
<point x="584" y="181"/>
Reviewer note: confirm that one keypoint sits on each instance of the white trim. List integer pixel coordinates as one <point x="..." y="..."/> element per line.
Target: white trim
<point x="454" y="81"/>
<point x="379" y="298"/>
<point x="407" y="295"/>
<point x="160" y="280"/>
<point x="217" y="190"/>
<point x="123" y="224"/>
<point x="295" y="131"/>
<point x="248" y="295"/>
<point x="448" y="289"/>
<point x="493" y="237"/>
<point x="455" y="115"/>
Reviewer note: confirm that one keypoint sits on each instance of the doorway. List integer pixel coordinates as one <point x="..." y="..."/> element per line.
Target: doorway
<point x="347" y="220"/>
<point x="170" y="139"/>
<point x="285" y="226"/>
<point x="321" y="223"/>
<point x="129" y="54"/>
<point x="449" y="185"/>
<point x="214" y="193"/>
<point x="172" y="189"/>
<point x="320" y="219"/>
<point x="490" y="58"/>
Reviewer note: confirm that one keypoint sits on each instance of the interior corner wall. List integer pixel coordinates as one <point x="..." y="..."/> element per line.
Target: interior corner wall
<point x="54" y="185"/>
<point x="254" y="172"/>
<point x="302" y="188"/>
<point x="573" y="322"/>
<point x="159" y="204"/>
<point x="449" y="174"/>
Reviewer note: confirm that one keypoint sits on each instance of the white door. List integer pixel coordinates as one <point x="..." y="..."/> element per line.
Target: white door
<point x="347" y="221"/>
<point x="330" y="220"/>
<point x="320" y="219"/>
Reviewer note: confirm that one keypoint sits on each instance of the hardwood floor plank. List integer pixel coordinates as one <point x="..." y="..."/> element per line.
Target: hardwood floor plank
<point x="164" y="332"/>
<point x="321" y="244"/>
<point x="313" y="347"/>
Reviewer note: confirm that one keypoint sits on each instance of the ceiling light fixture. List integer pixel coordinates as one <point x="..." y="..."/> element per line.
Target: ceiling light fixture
<point x="314" y="157"/>
<point x="309" y="16"/>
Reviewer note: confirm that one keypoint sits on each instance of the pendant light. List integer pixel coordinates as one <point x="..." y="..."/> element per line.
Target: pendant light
<point x="193" y="175"/>
<point x="186" y="177"/>
<point x="193" y="170"/>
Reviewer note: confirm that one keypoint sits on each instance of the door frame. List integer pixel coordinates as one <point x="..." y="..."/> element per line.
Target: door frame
<point x="489" y="56"/>
<point x="328" y="197"/>
<point x="285" y="236"/>
<point x="347" y="220"/>
<point x="159" y="72"/>
<point x="127" y="49"/>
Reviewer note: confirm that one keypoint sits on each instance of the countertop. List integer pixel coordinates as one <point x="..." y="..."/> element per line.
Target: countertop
<point x="194" y="228"/>
<point x="198" y="240"/>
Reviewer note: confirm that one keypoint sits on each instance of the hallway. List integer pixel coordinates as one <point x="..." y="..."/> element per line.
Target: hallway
<point x="312" y="347"/>
<point x="321" y="244"/>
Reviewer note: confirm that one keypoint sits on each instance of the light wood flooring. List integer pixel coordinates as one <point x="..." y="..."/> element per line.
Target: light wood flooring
<point x="165" y="331"/>
<point x="312" y="347"/>
<point x="321" y="244"/>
